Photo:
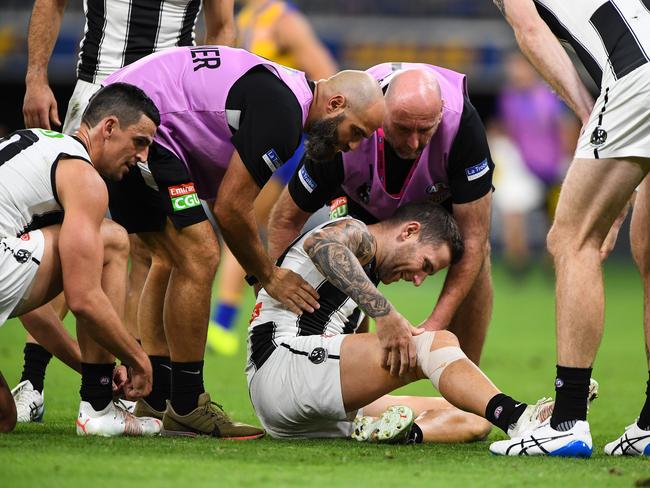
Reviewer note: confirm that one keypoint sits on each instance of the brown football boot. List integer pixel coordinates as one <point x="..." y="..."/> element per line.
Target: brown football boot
<point x="208" y="418"/>
<point x="143" y="409"/>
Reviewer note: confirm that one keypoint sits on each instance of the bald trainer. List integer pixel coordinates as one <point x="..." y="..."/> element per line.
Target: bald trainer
<point x="229" y="119"/>
<point x="431" y="147"/>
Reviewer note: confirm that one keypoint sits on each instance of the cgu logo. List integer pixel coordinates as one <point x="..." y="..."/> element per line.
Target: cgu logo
<point x="187" y="201"/>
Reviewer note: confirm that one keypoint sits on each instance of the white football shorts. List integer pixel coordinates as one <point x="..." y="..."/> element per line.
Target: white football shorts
<point x="619" y="125"/>
<point x="19" y="261"/>
<point x="297" y="392"/>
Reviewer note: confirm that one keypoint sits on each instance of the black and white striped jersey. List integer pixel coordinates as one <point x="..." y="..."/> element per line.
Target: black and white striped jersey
<point x="119" y="32"/>
<point x="271" y="321"/>
<point x="28" y="161"/>
<point x="611" y="37"/>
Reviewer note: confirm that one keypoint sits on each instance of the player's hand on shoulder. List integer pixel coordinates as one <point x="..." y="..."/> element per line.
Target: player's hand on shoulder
<point x="292" y="291"/>
<point x="395" y="335"/>
<point x="40" y="107"/>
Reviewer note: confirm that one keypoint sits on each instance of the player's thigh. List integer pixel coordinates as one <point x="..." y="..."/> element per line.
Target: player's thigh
<point x="593" y="194"/>
<point x="46" y="283"/>
<point x="363" y="379"/>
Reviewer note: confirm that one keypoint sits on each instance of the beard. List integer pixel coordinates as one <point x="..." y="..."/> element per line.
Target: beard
<point x="322" y="140"/>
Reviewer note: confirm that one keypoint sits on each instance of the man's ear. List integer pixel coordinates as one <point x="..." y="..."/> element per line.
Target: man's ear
<point x="410" y="230"/>
<point x="336" y="104"/>
<point x="109" y="124"/>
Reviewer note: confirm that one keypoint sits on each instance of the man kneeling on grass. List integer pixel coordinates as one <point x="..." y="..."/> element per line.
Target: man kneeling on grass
<point x="309" y="375"/>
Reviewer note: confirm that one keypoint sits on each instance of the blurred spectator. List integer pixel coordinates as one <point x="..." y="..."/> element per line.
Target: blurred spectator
<point x="541" y="132"/>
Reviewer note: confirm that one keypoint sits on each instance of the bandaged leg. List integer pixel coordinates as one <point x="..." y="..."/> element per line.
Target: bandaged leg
<point x="458" y="379"/>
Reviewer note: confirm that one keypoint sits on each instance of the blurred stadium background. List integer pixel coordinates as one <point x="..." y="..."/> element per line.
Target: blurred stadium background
<point x="465" y="35"/>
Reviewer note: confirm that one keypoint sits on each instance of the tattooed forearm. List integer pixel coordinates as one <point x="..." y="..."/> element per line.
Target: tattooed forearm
<point x="338" y="252"/>
<point x="500" y="6"/>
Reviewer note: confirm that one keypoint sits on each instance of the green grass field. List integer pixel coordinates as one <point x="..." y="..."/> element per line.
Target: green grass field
<point x="519" y="357"/>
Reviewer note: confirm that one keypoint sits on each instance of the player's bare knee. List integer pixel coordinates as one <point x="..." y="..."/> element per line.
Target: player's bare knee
<point x="479" y="428"/>
<point x="200" y="262"/>
<point x="140" y="253"/>
<point x="115" y="238"/>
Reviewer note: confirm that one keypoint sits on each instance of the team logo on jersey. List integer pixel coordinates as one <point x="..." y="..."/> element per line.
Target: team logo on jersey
<point x="25" y="236"/>
<point x="478" y="170"/>
<point x="439" y="192"/>
<point x="339" y="207"/>
<point x="306" y="180"/>
<point x="272" y="160"/>
<point x="22" y="255"/>
<point x="598" y="136"/>
<point x="318" y="355"/>
<point x="183" y="197"/>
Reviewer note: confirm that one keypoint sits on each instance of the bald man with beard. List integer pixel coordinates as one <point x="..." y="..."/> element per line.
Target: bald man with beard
<point x="431" y="147"/>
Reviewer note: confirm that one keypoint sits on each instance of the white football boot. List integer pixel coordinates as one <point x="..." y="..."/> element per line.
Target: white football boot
<point x="114" y="421"/>
<point x="30" y="404"/>
<point x="634" y="442"/>
<point x="536" y="415"/>
<point x="392" y="427"/>
<point x="546" y="441"/>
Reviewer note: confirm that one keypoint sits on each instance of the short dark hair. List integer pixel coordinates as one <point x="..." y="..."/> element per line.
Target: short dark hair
<point x="126" y="102"/>
<point x="437" y="226"/>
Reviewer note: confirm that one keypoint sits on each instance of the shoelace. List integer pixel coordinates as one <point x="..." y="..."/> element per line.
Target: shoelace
<point x="26" y="399"/>
<point x="217" y="412"/>
<point x="543" y="409"/>
<point x="132" y="424"/>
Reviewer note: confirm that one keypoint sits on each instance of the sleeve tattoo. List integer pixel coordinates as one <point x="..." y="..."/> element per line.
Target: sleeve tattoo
<point x="338" y="252"/>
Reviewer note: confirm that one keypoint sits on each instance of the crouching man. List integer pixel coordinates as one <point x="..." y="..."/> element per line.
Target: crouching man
<point x="310" y="374"/>
<point x="53" y="237"/>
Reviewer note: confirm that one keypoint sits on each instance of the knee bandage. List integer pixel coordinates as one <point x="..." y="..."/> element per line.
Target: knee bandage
<point x="433" y="363"/>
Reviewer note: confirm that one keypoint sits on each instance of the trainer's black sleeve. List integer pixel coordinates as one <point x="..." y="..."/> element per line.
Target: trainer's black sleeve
<point x="270" y="122"/>
<point x="315" y="184"/>
<point x="470" y="163"/>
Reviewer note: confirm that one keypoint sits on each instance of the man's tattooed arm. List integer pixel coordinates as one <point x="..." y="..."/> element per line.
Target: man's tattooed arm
<point x="339" y="251"/>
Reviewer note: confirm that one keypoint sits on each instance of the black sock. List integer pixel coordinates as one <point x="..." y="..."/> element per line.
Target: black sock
<point x="187" y="385"/>
<point x="503" y="411"/>
<point x="644" y="416"/>
<point x="96" y="384"/>
<point x="36" y="360"/>
<point x="571" y="392"/>
<point x="415" y="435"/>
<point x="162" y="382"/>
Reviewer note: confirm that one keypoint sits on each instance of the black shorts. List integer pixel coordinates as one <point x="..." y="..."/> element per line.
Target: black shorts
<point x="137" y="205"/>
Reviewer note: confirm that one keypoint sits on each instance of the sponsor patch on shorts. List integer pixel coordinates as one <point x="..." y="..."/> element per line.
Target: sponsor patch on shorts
<point x="478" y="170"/>
<point x="183" y="197"/>
<point x="339" y="207"/>
<point x="306" y="180"/>
<point x="272" y="159"/>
